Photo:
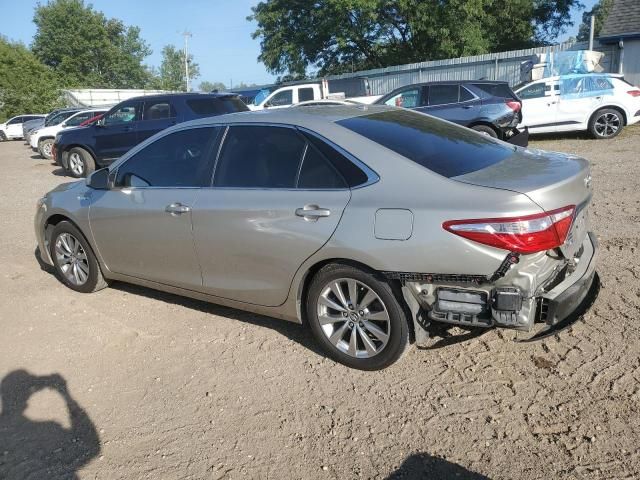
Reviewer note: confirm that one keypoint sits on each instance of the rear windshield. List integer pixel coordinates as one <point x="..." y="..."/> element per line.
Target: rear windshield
<point x="443" y="148"/>
<point x="500" y="90"/>
<point x="216" y="106"/>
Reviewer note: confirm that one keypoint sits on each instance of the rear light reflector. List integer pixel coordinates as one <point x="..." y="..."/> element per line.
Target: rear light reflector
<point x="634" y="93"/>
<point x="513" y="105"/>
<point x="527" y="234"/>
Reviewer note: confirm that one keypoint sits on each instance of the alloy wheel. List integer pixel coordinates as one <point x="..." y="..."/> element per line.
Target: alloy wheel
<point x="72" y="259"/>
<point x="46" y="148"/>
<point x="354" y="318"/>
<point x="76" y="165"/>
<point x="607" y="124"/>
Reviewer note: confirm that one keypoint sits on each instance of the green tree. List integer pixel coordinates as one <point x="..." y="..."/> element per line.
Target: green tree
<point x="172" y="75"/>
<point x="26" y="85"/>
<point x="87" y="49"/>
<point x="601" y="11"/>
<point x="210" y="86"/>
<point x="335" y="36"/>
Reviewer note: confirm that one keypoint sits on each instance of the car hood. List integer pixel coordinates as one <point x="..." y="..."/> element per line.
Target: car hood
<point x="551" y="179"/>
<point x="64" y="187"/>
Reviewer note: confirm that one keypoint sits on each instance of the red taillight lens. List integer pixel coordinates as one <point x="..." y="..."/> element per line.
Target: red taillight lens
<point x="634" y="93"/>
<point x="528" y="234"/>
<point x="513" y="105"/>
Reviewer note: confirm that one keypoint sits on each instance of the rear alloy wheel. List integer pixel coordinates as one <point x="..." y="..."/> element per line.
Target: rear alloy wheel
<point x="486" y="130"/>
<point x="80" y="162"/>
<point x="356" y="318"/>
<point x="45" y="147"/>
<point x="606" y="123"/>
<point x="74" y="261"/>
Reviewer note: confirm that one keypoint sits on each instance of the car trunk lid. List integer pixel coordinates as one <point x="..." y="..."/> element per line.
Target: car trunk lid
<point x="552" y="180"/>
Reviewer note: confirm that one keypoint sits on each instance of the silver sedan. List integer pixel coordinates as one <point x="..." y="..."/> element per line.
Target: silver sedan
<point x="365" y="223"/>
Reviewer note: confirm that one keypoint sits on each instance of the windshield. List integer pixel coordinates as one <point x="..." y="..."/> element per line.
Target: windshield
<point x="59" y="118"/>
<point x="262" y="94"/>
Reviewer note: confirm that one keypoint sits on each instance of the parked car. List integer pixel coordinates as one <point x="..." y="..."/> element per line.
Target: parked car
<point x="41" y="140"/>
<point x="599" y="103"/>
<point x="343" y="218"/>
<point x="54" y="118"/>
<point x="488" y="107"/>
<point x="12" y="128"/>
<point x="81" y="150"/>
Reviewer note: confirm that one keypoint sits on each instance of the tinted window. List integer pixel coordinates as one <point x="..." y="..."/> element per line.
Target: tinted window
<point x="533" y="91"/>
<point x="125" y="114"/>
<point x="494" y="89"/>
<point x="259" y="157"/>
<point x="15" y="120"/>
<point x="353" y="175"/>
<point x="317" y="172"/>
<point x="216" y="106"/>
<point x="157" y="110"/>
<point x="406" y="99"/>
<point x="305" y="94"/>
<point x="446" y="149"/>
<point x="282" y="98"/>
<point x="443" y="94"/>
<point x="181" y="159"/>
<point x="465" y="95"/>
<point x="79" y="118"/>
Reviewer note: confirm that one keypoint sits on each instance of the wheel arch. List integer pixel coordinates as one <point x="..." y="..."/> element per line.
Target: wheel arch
<point x="485" y="123"/>
<point x="611" y="107"/>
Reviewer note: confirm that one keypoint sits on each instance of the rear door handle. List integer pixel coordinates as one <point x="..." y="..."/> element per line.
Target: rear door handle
<point x="312" y="212"/>
<point x="177" y="209"/>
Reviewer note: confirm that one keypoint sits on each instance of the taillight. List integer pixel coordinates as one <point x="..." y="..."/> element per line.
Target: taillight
<point x="513" y="105"/>
<point x="634" y="93"/>
<point x="527" y="234"/>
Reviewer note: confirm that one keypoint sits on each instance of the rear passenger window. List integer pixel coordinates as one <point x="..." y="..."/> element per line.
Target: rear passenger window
<point x="465" y="95"/>
<point x="259" y="157"/>
<point x="216" y="106"/>
<point x="533" y="91"/>
<point x="443" y="94"/>
<point x="353" y="175"/>
<point x="305" y="94"/>
<point x="317" y="172"/>
<point x="180" y="159"/>
<point x="158" y="110"/>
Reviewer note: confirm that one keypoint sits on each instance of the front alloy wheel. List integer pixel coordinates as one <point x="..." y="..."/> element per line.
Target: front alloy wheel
<point x="76" y="164"/>
<point x="71" y="259"/>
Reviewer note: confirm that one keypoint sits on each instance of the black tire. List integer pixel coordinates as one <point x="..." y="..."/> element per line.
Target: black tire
<point x="486" y="130"/>
<point x="44" y="146"/>
<point x="3" y="137"/>
<point x="94" y="279"/>
<point x="88" y="165"/>
<point x="606" y="123"/>
<point x="396" y="327"/>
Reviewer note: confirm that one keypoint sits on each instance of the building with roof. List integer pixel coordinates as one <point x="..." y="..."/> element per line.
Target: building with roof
<point x="622" y="29"/>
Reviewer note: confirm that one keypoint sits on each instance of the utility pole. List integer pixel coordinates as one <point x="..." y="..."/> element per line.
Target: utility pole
<point x="186" y="34"/>
<point x="591" y="31"/>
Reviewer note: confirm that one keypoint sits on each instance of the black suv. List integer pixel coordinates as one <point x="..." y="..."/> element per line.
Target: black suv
<point x="81" y="150"/>
<point x="489" y="107"/>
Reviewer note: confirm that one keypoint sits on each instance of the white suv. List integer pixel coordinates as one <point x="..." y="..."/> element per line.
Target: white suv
<point x="12" y="128"/>
<point x="42" y="140"/>
<point x="600" y="103"/>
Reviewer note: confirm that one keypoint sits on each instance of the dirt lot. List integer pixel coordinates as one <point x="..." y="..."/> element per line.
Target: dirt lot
<point x="161" y="387"/>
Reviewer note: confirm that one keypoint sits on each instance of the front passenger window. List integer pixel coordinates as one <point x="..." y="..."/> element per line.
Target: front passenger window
<point x="180" y="159"/>
<point x="406" y="99"/>
<point x="125" y="114"/>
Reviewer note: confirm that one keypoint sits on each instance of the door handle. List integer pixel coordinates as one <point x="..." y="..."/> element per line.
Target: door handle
<point x="312" y="212"/>
<point x="177" y="209"/>
<point x="467" y="107"/>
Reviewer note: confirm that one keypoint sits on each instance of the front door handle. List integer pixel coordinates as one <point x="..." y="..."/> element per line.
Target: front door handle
<point x="312" y="212"/>
<point x="177" y="209"/>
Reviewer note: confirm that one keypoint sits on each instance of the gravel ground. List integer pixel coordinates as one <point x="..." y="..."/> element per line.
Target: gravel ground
<point x="161" y="387"/>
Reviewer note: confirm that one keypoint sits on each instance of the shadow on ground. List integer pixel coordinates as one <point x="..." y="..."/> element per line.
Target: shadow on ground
<point x="427" y="467"/>
<point x="42" y="449"/>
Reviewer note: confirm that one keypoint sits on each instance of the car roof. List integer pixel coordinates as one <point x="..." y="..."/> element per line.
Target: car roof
<point x="301" y="117"/>
<point x="184" y="95"/>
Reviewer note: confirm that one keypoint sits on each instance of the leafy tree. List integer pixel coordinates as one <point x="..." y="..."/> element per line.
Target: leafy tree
<point x="335" y="36"/>
<point x="172" y="75"/>
<point x="210" y="86"/>
<point x="87" y="49"/>
<point x="26" y="85"/>
<point x="601" y="11"/>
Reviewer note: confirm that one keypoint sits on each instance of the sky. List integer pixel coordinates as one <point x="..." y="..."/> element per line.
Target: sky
<point x="221" y="43"/>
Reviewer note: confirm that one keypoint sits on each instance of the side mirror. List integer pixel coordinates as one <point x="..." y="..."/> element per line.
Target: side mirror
<point x="99" y="180"/>
<point x="63" y="124"/>
<point x="266" y="105"/>
<point x="100" y="122"/>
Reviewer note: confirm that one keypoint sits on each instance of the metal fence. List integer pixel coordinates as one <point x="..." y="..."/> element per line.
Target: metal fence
<point x="503" y="66"/>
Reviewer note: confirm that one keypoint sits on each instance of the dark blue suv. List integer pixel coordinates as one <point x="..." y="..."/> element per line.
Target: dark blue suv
<point x="488" y="107"/>
<point x="82" y="150"/>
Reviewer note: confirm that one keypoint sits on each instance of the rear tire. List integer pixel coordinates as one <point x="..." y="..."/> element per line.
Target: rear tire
<point x="606" y="123"/>
<point x="486" y="130"/>
<point x="80" y="163"/>
<point x="74" y="261"/>
<point x="45" y="148"/>
<point x="356" y="318"/>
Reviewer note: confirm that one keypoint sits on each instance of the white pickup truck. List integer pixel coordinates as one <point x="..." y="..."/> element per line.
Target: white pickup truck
<point x="356" y="89"/>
